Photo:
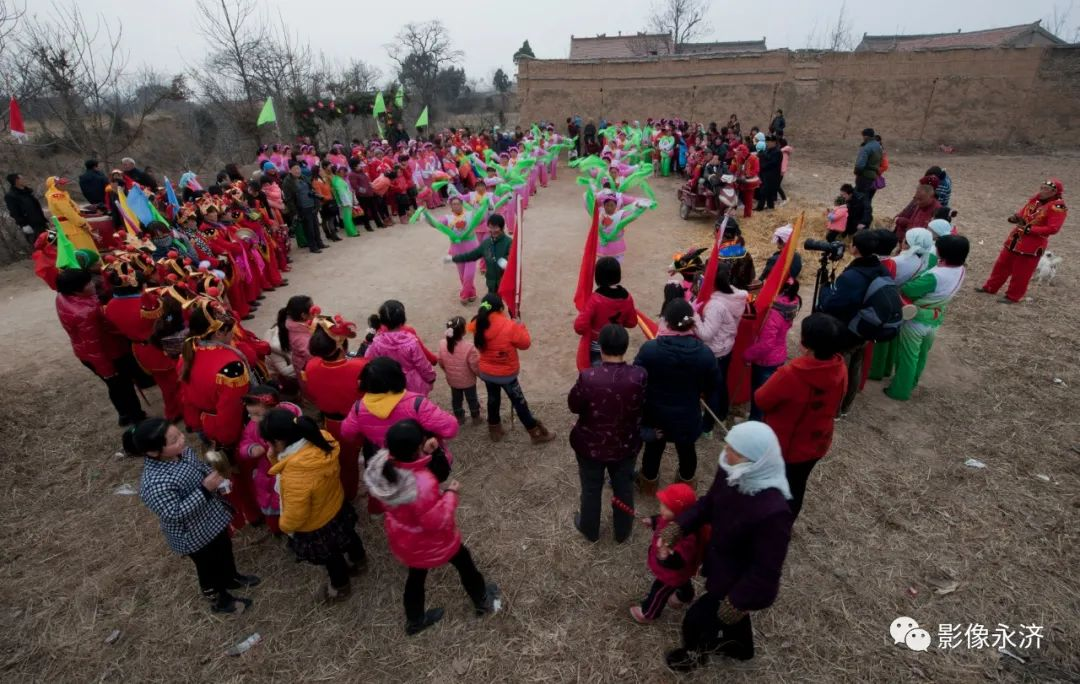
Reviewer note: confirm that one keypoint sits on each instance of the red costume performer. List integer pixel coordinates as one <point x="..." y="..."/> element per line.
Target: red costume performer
<point x="747" y="167"/>
<point x="1041" y="217"/>
<point x="133" y="314"/>
<point x="332" y="382"/>
<point x="214" y="379"/>
<point x="45" y="258"/>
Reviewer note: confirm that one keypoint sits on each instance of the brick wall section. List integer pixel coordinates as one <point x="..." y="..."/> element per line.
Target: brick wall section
<point x="958" y="96"/>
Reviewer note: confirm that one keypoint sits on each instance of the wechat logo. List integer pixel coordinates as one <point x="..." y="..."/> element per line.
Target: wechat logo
<point x="905" y="630"/>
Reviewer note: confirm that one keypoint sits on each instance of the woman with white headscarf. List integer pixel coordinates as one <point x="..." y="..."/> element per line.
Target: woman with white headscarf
<point x="747" y="507"/>
<point x="917" y="257"/>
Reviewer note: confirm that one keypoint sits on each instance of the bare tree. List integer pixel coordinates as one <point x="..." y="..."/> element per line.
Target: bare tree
<point x="421" y="51"/>
<point x="840" y="34"/>
<point x="685" y="20"/>
<point x="92" y="105"/>
<point x="1059" y="23"/>
<point x="836" y="37"/>
<point x="240" y="31"/>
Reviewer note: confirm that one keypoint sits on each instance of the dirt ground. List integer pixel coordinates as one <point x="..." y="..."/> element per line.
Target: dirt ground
<point x="894" y="524"/>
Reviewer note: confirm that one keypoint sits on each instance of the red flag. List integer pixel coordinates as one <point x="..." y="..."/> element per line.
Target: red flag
<point x="738" y="378"/>
<point x="708" y="283"/>
<point x="18" y="129"/>
<point x="588" y="261"/>
<point x="510" y="283"/>
<point x="585" y="283"/>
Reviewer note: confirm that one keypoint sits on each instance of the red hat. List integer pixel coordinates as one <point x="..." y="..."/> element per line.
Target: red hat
<point x="677" y="497"/>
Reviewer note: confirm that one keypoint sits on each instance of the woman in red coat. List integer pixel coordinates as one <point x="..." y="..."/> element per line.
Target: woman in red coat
<point x="332" y="382"/>
<point x="746" y="167"/>
<point x="610" y="303"/>
<point x="420" y="522"/>
<point x="800" y="401"/>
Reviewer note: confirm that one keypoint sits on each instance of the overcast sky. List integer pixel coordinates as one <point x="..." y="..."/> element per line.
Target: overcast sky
<point x="489" y="32"/>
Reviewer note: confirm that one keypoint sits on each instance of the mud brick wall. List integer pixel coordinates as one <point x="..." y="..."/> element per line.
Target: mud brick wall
<point x="956" y="96"/>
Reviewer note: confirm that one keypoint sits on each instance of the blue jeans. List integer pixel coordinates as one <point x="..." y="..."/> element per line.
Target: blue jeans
<point x="717" y="399"/>
<point x="759" y="375"/>
<point x="517" y="399"/>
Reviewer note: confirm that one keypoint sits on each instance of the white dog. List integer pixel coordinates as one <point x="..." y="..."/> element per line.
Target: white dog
<point x="1047" y="268"/>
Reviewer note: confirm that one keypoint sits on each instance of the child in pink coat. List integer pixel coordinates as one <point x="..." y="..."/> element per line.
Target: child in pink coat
<point x="769" y="351"/>
<point x="837" y="218"/>
<point x="461" y="363"/>
<point x="673" y="569"/>
<point x="294" y="330"/>
<point x="253" y="451"/>
<point x="420" y="523"/>
<point x="394" y="341"/>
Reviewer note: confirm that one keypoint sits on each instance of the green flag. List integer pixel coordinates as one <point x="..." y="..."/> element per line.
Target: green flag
<point x="380" y="105"/>
<point x="267" y="114"/>
<point x="422" y="121"/>
<point x="399" y="98"/>
<point x="382" y="134"/>
<point x="65" y="251"/>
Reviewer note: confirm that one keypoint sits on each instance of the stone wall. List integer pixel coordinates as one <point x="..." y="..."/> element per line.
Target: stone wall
<point x="955" y="96"/>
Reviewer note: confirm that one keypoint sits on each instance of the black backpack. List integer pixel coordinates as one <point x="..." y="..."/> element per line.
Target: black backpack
<point x="881" y="315"/>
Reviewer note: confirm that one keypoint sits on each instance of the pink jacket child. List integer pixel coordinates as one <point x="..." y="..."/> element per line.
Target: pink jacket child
<point x="770" y="350"/>
<point x="253" y="454"/>
<point x="420" y="525"/>
<point x="674" y="571"/>
<point x="372" y="416"/>
<point x="837" y="217"/>
<point x="460" y="366"/>
<point x="785" y="159"/>
<point x="405" y="348"/>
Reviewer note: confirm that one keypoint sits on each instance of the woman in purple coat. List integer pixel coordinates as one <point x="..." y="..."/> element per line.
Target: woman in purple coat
<point x="609" y="400"/>
<point x="747" y="507"/>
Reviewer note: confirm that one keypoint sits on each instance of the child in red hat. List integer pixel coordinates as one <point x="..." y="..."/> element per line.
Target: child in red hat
<point x="672" y="569"/>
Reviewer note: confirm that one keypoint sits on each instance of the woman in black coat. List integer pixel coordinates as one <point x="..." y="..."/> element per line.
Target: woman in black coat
<point x="681" y="368"/>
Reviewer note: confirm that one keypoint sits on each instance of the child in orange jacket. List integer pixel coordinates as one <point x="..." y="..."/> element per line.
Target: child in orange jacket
<point x="498" y="339"/>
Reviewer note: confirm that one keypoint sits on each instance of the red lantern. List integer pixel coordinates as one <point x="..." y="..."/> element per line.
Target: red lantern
<point x="319" y="104"/>
<point x="311" y="109"/>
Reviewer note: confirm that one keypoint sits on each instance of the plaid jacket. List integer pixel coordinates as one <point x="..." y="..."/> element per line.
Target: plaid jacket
<point x="190" y="516"/>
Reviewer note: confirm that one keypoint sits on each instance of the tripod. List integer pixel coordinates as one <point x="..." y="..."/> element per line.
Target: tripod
<point x="824" y="278"/>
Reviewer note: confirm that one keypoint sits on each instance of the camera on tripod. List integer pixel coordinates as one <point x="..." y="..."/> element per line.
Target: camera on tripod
<point x="833" y="251"/>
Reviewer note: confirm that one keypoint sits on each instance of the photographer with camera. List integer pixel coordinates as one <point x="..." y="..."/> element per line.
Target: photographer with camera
<point x="865" y="299"/>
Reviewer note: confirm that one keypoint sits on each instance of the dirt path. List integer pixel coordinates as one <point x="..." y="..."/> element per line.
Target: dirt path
<point x="889" y="514"/>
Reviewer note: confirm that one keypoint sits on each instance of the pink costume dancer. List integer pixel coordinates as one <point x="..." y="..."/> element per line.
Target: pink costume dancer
<point x="553" y="139"/>
<point x="540" y="151"/>
<point x="613" y="223"/>
<point x="460" y="227"/>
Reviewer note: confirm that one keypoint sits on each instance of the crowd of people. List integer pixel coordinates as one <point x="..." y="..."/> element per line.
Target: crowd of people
<point x="293" y="421"/>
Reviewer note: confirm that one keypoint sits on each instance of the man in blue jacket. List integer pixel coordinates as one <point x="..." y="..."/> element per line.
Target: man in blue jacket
<point x="845" y="299"/>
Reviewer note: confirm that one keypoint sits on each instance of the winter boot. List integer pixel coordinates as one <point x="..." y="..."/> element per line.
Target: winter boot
<point x="541" y="434"/>
<point x="496" y="432"/>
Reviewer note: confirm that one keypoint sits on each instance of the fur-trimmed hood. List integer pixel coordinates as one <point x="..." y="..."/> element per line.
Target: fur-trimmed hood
<point x="390" y="493"/>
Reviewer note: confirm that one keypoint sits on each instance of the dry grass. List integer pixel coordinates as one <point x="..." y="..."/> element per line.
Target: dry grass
<point x="891" y="509"/>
